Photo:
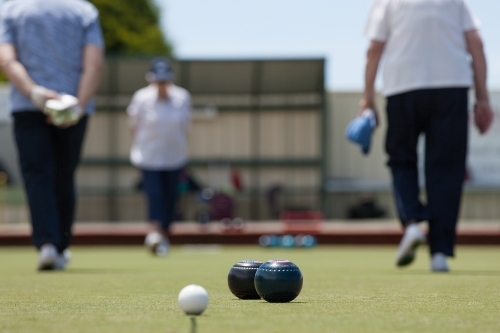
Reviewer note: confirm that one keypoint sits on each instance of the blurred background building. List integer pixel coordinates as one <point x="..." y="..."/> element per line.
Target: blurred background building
<point x="279" y="137"/>
<point x="267" y="131"/>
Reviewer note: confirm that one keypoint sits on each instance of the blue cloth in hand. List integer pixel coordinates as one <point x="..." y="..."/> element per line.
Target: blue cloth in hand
<point x="360" y="130"/>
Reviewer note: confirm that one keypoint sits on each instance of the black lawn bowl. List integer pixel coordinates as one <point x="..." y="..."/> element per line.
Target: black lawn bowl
<point x="241" y="279"/>
<point x="278" y="281"/>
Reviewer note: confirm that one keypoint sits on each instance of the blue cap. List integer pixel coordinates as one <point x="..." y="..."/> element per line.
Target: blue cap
<point x="360" y="130"/>
<point x="161" y="70"/>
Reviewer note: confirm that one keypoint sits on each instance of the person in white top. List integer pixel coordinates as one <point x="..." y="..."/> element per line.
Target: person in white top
<point x="433" y="54"/>
<point x="159" y="117"/>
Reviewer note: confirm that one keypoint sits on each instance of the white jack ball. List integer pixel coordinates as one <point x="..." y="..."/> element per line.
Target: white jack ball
<point x="193" y="299"/>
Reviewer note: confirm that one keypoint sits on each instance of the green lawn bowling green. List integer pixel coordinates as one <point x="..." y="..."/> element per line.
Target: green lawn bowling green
<point x="346" y="289"/>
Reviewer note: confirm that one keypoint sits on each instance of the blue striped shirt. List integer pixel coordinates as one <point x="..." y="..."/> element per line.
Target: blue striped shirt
<point x="49" y="36"/>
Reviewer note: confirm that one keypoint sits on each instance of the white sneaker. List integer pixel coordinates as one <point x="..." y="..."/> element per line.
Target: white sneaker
<point x="47" y="258"/>
<point x="157" y="244"/>
<point x="438" y="263"/>
<point x="411" y="240"/>
<point x="63" y="260"/>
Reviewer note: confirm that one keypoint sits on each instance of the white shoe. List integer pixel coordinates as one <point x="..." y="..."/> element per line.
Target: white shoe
<point x="411" y="240"/>
<point x="438" y="263"/>
<point x="63" y="260"/>
<point x="47" y="258"/>
<point x="157" y="244"/>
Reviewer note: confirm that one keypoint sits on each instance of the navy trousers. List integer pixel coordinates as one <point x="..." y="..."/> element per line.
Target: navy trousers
<point x="162" y="191"/>
<point x="441" y="115"/>
<point x="48" y="157"/>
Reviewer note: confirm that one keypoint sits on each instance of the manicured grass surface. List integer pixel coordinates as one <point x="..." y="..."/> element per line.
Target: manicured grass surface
<point x="346" y="289"/>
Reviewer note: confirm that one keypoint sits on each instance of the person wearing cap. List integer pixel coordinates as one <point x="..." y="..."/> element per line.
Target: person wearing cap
<point x="433" y="54"/>
<point x="49" y="48"/>
<point x="159" y="117"/>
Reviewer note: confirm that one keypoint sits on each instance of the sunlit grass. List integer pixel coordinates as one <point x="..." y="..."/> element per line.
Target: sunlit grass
<point x="346" y="289"/>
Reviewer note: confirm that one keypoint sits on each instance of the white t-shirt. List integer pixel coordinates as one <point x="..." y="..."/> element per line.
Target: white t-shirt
<point x="425" y="43"/>
<point x="161" y="127"/>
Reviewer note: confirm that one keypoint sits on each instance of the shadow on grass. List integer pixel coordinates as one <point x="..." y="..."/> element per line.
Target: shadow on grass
<point x="264" y="302"/>
<point x="96" y="271"/>
<point x="452" y="272"/>
<point x="475" y="273"/>
<point x="409" y="272"/>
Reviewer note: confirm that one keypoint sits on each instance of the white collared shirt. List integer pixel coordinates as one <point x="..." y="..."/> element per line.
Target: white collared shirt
<point x="425" y="43"/>
<point x="160" y="128"/>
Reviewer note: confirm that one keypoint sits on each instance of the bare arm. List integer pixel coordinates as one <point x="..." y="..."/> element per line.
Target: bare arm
<point x="133" y="112"/>
<point x="373" y="56"/>
<point x="19" y="77"/>
<point x="14" y="70"/>
<point x="476" y="50"/>
<point x="483" y="112"/>
<point x="93" y="62"/>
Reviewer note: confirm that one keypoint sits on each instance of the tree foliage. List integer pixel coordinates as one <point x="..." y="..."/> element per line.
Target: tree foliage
<point x="132" y="27"/>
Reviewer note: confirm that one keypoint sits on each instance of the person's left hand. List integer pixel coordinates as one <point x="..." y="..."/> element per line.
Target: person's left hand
<point x="39" y="95"/>
<point x="483" y="116"/>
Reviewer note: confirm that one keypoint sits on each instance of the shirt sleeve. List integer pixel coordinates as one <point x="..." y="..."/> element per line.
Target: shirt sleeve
<point x="187" y="114"/>
<point x="377" y="26"/>
<point x="469" y="20"/>
<point x="7" y="33"/>
<point x="133" y="111"/>
<point x="93" y="32"/>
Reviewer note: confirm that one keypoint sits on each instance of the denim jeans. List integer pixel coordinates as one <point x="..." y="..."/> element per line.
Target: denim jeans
<point x="162" y="191"/>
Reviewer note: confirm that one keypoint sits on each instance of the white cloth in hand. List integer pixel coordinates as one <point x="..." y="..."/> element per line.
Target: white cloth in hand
<point x="64" y="111"/>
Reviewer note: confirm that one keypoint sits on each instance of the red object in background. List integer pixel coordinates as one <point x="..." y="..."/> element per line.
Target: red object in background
<point x="221" y="207"/>
<point x="236" y="180"/>
<point x="302" y="221"/>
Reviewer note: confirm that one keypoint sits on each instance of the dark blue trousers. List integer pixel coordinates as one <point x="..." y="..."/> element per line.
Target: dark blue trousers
<point x="441" y="115"/>
<point x="162" y="190"/>
<point x="48" y="157"/>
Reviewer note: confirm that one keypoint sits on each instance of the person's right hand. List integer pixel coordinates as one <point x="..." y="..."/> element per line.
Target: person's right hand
<point x="369" y="104"/>
<point x="483" y="116"/>
<point x="39" y="95"/>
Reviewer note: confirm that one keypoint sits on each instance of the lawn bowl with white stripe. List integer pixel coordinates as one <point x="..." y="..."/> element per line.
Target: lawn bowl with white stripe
<point x="278" y="281"/>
